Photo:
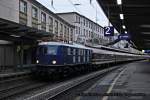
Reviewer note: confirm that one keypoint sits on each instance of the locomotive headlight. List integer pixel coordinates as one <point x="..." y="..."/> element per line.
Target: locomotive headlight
<point x="53" y="62"/>
<point x="37" y="61"/>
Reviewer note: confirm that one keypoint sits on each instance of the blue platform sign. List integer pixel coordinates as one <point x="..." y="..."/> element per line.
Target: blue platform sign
<point x="146" y="51"/>
<point x="109" y="31"/>
<point x="124" y="37"/>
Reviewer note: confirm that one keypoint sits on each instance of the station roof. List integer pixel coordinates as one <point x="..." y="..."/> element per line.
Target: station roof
<point x="136" y="19"/>
<point x="15" y="32"/>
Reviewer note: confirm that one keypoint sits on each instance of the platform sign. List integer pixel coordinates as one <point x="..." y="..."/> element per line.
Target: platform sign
<point x="109" y="31"/>
<point x="124" y="37"/>
<point x="146" y="51"/>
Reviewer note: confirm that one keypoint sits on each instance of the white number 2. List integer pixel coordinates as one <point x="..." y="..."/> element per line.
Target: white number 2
<point x="107" y="30"/>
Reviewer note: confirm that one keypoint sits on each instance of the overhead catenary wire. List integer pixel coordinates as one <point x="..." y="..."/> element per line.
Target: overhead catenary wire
<point x="95" y="8"/>
<point x="74" y="5"/>
<point x="52" y="4"/>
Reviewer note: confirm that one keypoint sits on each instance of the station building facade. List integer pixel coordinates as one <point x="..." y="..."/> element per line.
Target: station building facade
<point x="86" y="31"/>
<point x="33" y="14"/>
<point x="32" y="17"/>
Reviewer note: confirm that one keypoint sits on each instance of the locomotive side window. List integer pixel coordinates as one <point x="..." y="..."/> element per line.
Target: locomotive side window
<point x="74" y="57"/>
<point x="69" y="51"/>
<point x="45" y="50"/>
<point x="52" y="50"/>
<point x="39" y="50"/>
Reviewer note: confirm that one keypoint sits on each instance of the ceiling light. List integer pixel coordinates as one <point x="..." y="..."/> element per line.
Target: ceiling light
<point x="145" y="26"/>
<point x="124" y="27"/>
<point x="125" y="32"/>
<point x="119" y="2"/>
<point x="146" y="40"/>
<point x="145" y="33"/>
<point x="15" y="36"/>
<point x="121" y="16"/>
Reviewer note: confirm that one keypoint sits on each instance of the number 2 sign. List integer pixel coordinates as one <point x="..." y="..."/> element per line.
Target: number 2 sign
<point x="109" y="31"/>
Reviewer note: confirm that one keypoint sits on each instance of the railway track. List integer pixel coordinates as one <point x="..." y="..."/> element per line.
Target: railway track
<point x="50" y="91"/>
<point x="13" y="85"/>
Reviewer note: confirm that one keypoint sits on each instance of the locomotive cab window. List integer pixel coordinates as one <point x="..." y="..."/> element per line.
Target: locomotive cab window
<point x="52" y="50"/>
<point x="42" y="50"/>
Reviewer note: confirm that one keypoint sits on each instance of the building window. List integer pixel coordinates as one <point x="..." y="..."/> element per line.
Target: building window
<point x="76" y="28"/>
<point x="84" y="32"/>
<point x="43" y="21"/>
<point x="87" y="33"/>
<point x="43" y="17"/>
<point x="23" y="12"/>
<point x="34" y="17"/>
<point x="84" y="21"/>
<point x="68" y="34"/>
<point x="23" y="6"/>
<point x="61" y="28"/>
<point x="34" y="13"/>
<point x="71" y="35"/>
<point x="65" y="32"/>
<point x="50" y="24"/>
<point x="61" y="31"/>
<point x="77" y="18"/>
<point x="56" y="26"/>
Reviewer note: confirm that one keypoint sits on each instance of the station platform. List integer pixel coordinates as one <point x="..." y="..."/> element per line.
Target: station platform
<point x="130" y="82"/>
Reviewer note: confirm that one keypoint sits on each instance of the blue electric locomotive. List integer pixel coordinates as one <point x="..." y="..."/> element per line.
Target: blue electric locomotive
<point x="54" y="56"/>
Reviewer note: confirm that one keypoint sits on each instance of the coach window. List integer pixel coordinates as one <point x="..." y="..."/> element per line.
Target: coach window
<point x="79" y="58"/>
<point x="74" y="51"/>
<point x="81" y="51"/>
<point x="78" y="51"/>
<point x="69" y="51"/>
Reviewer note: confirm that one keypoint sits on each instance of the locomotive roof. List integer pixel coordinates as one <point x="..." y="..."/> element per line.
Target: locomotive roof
<point x="64" y="44"/>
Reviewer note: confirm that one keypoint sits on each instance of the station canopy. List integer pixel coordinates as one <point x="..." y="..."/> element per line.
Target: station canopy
<point x="136" y="19"/>
<point x="15" y="32"/>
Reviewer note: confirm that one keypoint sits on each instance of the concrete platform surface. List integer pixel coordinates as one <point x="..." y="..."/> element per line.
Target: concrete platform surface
<point x="130" y="82"/>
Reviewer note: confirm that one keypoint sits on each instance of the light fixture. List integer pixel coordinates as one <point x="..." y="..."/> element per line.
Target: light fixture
<point x="121" y="16"/>
<point x="124" y="27"/>
<point x="145" y="26"/>
<point x="119" y="2"/>
<point x="125" y="32"/>
<point x="15" y="36"/>
<point x="145" y="33"/>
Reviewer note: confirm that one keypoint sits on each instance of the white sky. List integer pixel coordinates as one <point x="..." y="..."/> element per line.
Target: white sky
<point x="85" y="9"/>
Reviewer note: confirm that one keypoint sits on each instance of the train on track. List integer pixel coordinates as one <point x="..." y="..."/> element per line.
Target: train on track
<point x="55" y="57"/>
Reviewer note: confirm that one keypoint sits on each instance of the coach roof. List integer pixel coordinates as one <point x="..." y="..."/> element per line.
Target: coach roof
<point x="64" y="44"/>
